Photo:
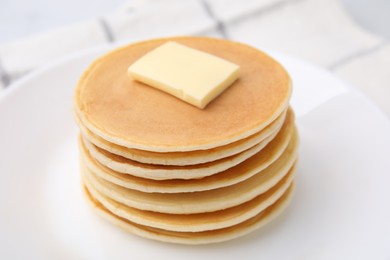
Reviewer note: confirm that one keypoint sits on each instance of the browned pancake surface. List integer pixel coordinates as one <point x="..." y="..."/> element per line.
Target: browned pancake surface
<point x="114" y="106"/>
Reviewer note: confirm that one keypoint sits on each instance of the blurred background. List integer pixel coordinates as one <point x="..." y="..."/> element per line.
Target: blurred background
<point x="350" y="38"/>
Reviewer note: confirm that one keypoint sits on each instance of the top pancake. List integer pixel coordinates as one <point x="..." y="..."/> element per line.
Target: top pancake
<point x="126" y="112"/>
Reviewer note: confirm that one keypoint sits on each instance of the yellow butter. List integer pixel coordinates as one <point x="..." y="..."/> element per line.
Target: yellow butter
<point x="186" y="73"/>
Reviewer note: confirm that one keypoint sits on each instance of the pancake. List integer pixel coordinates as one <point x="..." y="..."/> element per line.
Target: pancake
<point x="184" y="158"/>
<point x="166" y="172"/>
<point x="195" y="222"/>
<point x="285" y="144"/>
<point x="197" y="238"/>
<point x="194" y="202"/>
<point x="118" y="109"/>
<point x="163" y="172"/>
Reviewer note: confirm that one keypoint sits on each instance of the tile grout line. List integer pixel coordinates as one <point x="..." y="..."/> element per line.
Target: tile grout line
<point x="4" y="77"/>
<point x="220" y="25"/>
<point x="106" y="29"/>
<point x="356" y="55"/>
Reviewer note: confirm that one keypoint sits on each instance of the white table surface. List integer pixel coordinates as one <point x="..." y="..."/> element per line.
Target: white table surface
<point x="20" y="18"/>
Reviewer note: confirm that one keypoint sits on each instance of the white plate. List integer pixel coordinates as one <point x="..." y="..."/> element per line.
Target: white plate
<point x="341" y="209"/>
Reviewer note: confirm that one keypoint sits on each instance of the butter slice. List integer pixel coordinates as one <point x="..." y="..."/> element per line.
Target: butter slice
<point x="186" y="73"/>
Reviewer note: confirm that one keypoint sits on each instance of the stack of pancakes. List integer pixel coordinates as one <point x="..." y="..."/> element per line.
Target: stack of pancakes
<point x="166" y="170"/>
